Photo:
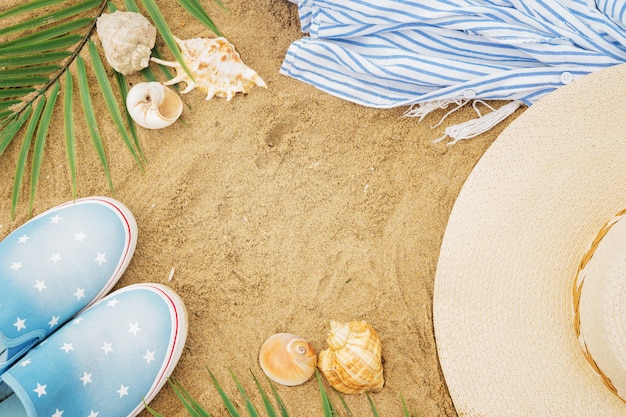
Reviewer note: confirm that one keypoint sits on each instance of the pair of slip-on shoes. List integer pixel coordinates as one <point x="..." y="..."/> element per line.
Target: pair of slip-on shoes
<point x="65" y="348"/>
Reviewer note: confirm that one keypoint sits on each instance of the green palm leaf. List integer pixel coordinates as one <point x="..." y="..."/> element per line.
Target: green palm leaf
<point x="8" y="104"/>
<point x="166" y="33"/>
<point x="40" y="141"/>
<point x="21" y="82"/>
<point x="109" y="98"/>
<point x="196" y="10"/>
<point x="269" y="408"/>
<point x="33" y="5"/>
<point x="194" y="409"/>
<point x="19" y="60"/>
<point x="232" y="410"/>
<point x="35" y="53"/>
<point x="15" y="92"/>
<point x="123" y="86"/>
<point x="374" y="410"/>
<point x="50" y="18"/>
<point x="249" y="406"/>
<point x="90" y="116"/>
<point x="44" y="34"/>
<point x="11" y="127"/>
<point x="190" y="405"/>
<point x="327" y="407"/>
<point x="70" y="137"/>
<point x="21" y="161"/>
<point x="60" y="42"/>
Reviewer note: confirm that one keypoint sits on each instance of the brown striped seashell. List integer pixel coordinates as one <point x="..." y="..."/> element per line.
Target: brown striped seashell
<point x="216" y="67"/>
<point x="353" y="362"/>
<point x="287" y="359"/>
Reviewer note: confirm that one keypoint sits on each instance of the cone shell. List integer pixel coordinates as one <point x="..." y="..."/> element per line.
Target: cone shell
<point x="216" y="67"/>
<point x="353" y="362"/>
<point x="287" y="359"/>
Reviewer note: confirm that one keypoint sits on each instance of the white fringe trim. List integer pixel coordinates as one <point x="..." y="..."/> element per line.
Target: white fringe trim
<point x="423" y="109"/>
<point x="471" y="128"/>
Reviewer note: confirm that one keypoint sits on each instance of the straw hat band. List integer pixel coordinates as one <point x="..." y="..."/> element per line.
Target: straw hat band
<point x="599" y="307"/>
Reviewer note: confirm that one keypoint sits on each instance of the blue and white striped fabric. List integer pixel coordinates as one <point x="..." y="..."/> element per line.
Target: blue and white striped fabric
<point x="390" y="53"/>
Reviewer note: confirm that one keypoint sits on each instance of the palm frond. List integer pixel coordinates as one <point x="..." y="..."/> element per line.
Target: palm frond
<point x="269" y="408"/>
<point x="70" y="136"/>
<point x="122" y="84"/>
<point x="193" y="408"/>
<point x="11" y="126"/>
<point x="159" y="21"/>
<point x="33" y="5"/>
<point x="249" y="406"/>
<point x="109" y="98"/>
<point x="328" y="410"/>
<point x="232" y="410"/>
<point x="21" y="161"/>
<point x="90" y="116"/>
<point x="345" y="405"/>
<point x="40" y="141"/>
<point x="44" y="34"/>
<point x="50" y="18"/>
<point x="405" y="409"/>
<point x="195" y="9"/>
<point x="374" y="410"/>
<point x="327" y="407"/>
<point x="39" y="42"/>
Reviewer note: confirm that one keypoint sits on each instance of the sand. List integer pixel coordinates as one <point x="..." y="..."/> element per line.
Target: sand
<point x="278" y="211"/>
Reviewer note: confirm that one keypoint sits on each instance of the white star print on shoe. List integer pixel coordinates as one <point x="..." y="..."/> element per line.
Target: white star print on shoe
<point x="69" y="374"/>
<point x="56" y="265"/>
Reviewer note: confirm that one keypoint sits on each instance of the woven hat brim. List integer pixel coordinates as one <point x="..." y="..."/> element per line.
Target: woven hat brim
<point x="503" y="306"/>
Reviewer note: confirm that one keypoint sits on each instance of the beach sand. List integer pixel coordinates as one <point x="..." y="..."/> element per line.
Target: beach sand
<point x="278" y="211"/>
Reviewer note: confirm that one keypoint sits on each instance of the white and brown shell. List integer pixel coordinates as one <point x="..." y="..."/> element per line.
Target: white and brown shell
<point x="153" y="105"/>
<point x="353" y="362"/>
<point x="287" y="359"/>
<point x="127" y="39"/>
<point x="216" y="67"/>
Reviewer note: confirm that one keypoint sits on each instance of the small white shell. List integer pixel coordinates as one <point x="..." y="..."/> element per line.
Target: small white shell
<point x="153" y="105"/>
<point x="287" y="359"/>
<point x="127" y="39"/>
<point x="216" y="67"/>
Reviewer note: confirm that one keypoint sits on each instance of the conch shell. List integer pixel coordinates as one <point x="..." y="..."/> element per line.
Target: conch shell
<point x="353" y="362"/>
<point x="127" y="39"/>
<point x="216" y="67"/>
<point x="153" y="105"/>
<point x="287" y="359"/>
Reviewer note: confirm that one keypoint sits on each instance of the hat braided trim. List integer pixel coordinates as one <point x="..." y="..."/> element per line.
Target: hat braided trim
<point x="578" y="286"/>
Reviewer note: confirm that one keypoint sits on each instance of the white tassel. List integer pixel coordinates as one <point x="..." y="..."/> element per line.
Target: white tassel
<point x="481" y="124"/>
<point x="421" y="110"/>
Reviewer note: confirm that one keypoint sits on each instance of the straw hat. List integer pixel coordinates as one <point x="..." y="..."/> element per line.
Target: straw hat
<point x="530" y="291"/>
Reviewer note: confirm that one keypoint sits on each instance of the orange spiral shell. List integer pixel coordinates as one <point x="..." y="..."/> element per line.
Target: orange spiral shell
<point x="287" y="359"/>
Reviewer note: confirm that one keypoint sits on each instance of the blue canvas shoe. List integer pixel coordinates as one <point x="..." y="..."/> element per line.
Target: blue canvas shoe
<point x="56" y="265"/>
<point x="105" y="362"/>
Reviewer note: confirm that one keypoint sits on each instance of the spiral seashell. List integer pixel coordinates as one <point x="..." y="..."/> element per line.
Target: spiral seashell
<point x="153" y="105"/>
<point x="353" y="362"/>
<point x="216" y="67"/>
<point x="127" y="40"/>
<point x="287" y="359"/>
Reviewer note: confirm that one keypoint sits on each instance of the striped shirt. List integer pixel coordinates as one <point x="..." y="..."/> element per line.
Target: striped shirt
<point x="389" y="53"/>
